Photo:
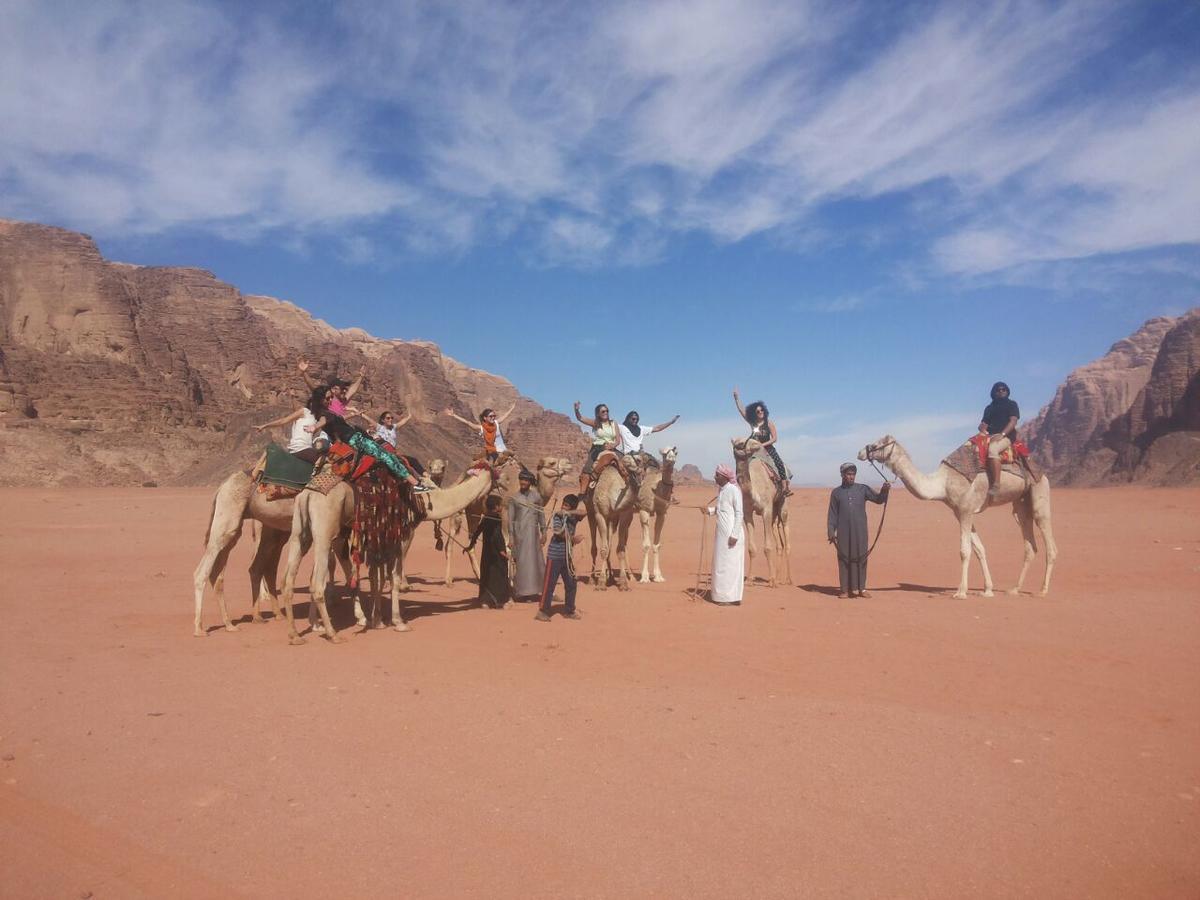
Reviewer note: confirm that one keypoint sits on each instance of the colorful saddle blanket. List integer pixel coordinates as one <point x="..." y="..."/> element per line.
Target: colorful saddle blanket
<point x="970" y="460"/>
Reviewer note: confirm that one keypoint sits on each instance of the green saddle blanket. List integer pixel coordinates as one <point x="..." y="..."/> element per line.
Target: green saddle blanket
<point x="283" y="468"/>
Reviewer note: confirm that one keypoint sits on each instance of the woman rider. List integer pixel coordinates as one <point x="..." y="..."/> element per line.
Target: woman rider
<point x="633" y="435"/>
<point x="762" y="429"/>
<point x="604" y="437"/>
<point x="341" y="430"/>
<point x="305" y="442"/>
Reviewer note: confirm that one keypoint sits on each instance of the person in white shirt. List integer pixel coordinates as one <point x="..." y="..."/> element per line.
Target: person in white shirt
<point x="385" y="429"/>
<point x="633" y="435"/>
<point x="302" y="442"/>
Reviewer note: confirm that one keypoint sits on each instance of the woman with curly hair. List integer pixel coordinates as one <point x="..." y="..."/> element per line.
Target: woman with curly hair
<point x="762" y="429"/>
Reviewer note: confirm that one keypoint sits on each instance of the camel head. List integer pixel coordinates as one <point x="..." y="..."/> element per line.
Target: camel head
<point x="436" y="470"/>
<point x="669" y="455"/>
<point x="553" y="467"/>
<point x="883" y="450"/>
<point x="744" y="448"/>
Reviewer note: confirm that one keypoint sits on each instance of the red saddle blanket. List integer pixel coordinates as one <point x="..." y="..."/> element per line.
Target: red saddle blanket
<point x="970" y="459"/>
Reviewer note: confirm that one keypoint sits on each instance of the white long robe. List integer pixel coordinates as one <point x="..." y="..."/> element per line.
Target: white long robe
<point x="729" y="563"/>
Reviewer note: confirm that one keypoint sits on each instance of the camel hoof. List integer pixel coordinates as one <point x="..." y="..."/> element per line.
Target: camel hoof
<point x="257" y="619"/>
<point x="231" y="627"/>
<point x="295" y="640"/>
<point x="404" y="587"/>
<point x="1012" y="592"/>
<point x="960" y="596"/>
<point x="199" y="632"/>
<point x="1043" y="593"/>
<point x="988" y="594"/>
<point x="402" y="626"/>
<point x="336" y="638"/>
<point x="659" y="579"/>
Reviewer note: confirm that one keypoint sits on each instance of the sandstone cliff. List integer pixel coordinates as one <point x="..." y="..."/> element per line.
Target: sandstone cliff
<point x="1132" y="415"/>
<point x="120" y="374"/>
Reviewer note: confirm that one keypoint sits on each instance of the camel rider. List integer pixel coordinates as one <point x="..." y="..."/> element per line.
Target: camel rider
<point x="341" y="430"/>
<point x="1000" y="425"/>
<point x="633" y="435"/>
<point x="340" y="390"/>
<point x="763" y="430"/>
<point x="305" y="443"/>
<point x="488" y="428"/>
<point x="605" y="436"/>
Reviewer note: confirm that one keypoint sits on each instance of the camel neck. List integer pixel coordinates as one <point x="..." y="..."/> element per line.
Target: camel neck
<point x="921" y="485"/>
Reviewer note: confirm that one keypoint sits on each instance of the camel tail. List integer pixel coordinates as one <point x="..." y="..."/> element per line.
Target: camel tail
<point x="212" y="515"/>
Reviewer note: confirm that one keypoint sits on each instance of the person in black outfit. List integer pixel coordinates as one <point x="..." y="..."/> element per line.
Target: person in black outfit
<point x="493" y="563"/>
<point x="1000" y="425"/>
<point x="341" y="430"/>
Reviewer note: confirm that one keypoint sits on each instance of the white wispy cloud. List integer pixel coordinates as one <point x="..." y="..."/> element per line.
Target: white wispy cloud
<point x="596" y="134"/>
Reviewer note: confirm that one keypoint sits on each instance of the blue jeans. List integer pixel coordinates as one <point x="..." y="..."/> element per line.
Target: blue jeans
<point x="556" y="568"/>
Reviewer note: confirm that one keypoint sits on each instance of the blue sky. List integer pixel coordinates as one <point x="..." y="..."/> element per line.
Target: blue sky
<point x="862" y="213"/>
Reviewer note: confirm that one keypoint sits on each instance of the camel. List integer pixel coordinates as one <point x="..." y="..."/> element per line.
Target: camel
<point x="764" y="497"/>
<point x="610" y="507"/>
<point x="320" y="518"/>
<point x="967" y="499"/>
<point x="549" y="472"/>
<point x="236" y="500"/>
<point x="653" y="502"/>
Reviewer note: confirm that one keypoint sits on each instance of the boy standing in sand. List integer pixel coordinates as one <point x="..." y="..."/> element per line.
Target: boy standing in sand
<point x="558" y="558"/>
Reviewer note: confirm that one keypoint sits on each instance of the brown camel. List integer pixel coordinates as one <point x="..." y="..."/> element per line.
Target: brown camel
<point x="764" y="497"/>
<point x="653" y="502"/>
<point x="609" y="506"/>
<point x="320" y="518"/>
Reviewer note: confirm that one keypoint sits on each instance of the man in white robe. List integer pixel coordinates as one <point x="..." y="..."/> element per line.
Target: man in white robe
<point x="729" y="558"/>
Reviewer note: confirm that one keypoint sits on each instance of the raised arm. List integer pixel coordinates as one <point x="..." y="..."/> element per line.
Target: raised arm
<point x="449" y="412"/>
<point x="282" y="420"/>
<point x="664" y="425"/>
<point x="357" y="382"/>
<point x="403" y="420"/>
<point x="590" y="423"/>
<point x="500" y="419"/>
<point x="737" y="401"/>
<point x="309" y="381"/>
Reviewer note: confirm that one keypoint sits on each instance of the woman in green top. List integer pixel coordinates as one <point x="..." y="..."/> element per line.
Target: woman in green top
<point x="604" y="437"/>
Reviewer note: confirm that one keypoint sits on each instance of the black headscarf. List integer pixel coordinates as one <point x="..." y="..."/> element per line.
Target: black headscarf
<point x="635" y="430"/>
<point x="997" y="386"/>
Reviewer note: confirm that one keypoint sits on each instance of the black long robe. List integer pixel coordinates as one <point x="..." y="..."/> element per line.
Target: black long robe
<point x="847" y="523"/>
<point x="493" y="562"/>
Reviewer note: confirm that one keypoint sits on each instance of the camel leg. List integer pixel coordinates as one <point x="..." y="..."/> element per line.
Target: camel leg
<point x="314" y="622"/>
<point x="1024" y="516"/>
<point x="263" y="569"/>
<point x="748" y="530"/>
<point x="622" y="558"/>
<point x="659" y="522"/>
<point x="398" y="622"/>
<point x="1040" y="501"/>
<point x="964" y="553"/>
<point x="783" y="537"/>
<point x="769" y="549"/>
<point x="644" y="518"/>
<point x="324" y="535"/>
<point x="981" y="555"/>
<point x="221" y="538"/>
<point x="295" y="547"/>
<point x="598" y="582"/>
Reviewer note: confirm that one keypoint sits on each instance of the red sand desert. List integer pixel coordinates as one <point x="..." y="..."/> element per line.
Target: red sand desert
<point x="905" y="745"/>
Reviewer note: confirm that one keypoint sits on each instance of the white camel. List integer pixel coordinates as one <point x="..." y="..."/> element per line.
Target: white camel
<point x="764" y="497"/>
<point x="966" y="499"/>
<point x="653" y="502"/>
<point x="319" y="519"/>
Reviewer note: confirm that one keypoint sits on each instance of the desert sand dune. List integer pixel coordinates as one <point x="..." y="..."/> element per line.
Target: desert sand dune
<point x="905" y="745"/>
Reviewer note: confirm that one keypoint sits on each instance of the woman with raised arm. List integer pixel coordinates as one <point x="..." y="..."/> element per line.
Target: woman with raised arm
<point x="762" y="429"/>
<point x="341" y="430"/>
<point x="305" y="442"/>
<point x="633" y="435"/>
<point x="488" y="428"/>
<point x="605" y="436"/>
<point x="385" y="433"/>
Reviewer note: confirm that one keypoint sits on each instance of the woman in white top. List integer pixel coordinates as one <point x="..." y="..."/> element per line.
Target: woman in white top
<point x="303" y="443"/>
<point x="385" y="429"/>
<point x="605" y="436"/>
<point x="633" y="435"/>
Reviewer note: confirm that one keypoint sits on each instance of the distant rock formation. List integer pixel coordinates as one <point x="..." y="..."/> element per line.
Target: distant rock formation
<point x="120" y="374"/>
<point x="1131" y="416"/>
<point x="689" y="474"/>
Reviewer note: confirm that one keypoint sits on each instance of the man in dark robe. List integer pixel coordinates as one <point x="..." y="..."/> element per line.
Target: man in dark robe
<point x="847" y="528"/>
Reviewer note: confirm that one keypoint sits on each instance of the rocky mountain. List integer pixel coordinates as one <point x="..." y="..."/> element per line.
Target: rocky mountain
<point x="119" y="374"/>
<point x="689" y="474"/>
<point x="1131" y="416"/>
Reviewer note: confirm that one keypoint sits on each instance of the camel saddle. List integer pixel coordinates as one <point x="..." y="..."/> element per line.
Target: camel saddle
<point x="970" y="460"/>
